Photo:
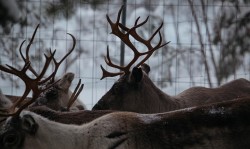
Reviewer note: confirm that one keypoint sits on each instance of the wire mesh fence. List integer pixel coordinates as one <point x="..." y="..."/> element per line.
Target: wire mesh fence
<point x="208" y="41"/>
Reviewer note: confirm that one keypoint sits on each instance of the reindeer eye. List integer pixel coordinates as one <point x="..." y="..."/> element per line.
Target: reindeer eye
<point x="10" y="139"/>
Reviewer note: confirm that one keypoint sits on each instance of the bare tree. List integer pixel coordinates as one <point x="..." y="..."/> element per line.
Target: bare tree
<point x="220" y="27"/>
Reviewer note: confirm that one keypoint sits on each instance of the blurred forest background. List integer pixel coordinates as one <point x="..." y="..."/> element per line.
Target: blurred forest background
<point x="209" y="40"/>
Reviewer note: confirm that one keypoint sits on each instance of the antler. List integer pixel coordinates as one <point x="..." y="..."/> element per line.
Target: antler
<point x="57" y="64"/>
<point x="75" y="94"/>
<point x="31" y="84"/>
<point x="115" y="27"/>
<point x="27" y="59"/>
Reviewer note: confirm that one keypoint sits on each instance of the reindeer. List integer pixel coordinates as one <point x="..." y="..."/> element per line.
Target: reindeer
<point x="57" y="97"/>
<point x="35" y="83"/>
<point x="75" y="117"/>
<point x="48" y="93"/>
<point x="134" y="91"/>
<point x="224" y="125"/>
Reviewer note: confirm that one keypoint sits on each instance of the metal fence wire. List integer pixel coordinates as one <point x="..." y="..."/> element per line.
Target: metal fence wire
<point x="209" y="40"/>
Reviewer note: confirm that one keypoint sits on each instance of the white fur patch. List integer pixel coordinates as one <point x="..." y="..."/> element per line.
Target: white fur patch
<point x="148" y="118"/>
<point x="220" y="110"/>
<point x="189" y="109"/>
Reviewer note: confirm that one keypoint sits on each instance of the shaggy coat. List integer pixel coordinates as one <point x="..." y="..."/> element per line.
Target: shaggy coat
<point x="223" y="125"/>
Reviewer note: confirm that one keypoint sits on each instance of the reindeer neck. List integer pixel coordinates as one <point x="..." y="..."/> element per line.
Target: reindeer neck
<point x="160" y="98"/>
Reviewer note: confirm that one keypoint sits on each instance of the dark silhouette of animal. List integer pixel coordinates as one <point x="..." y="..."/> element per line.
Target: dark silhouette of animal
<point x="58" y="96"/>
<point x="134" y="91"/>
<point x="144" y="97"/>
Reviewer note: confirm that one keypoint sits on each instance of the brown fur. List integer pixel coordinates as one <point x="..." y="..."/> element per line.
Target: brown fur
<point x="57" y="97"/>
<point x="77" y="117"/>
<point x="224" y="125"/>
<point x="144" y="97"/>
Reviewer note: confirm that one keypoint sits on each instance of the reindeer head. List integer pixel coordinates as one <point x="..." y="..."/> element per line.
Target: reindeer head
<point x="36" y="84"/>
<point x="12" y="133"/>
<point x="131" y="85"/>
<point x="126" y="92"/>
<point x="59" y="95"/>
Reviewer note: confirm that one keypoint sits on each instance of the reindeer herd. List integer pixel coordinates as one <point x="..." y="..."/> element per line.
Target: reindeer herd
<point x="133" y="114"/>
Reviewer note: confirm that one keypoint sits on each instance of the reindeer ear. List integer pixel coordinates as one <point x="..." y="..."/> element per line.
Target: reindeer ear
<point x="145" y="67"/>
<point x="29" y="125"/>
<point x="136" y="75"/>
<point x="66" y="81"/>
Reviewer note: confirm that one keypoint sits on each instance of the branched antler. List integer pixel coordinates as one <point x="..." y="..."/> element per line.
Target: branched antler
<point x="115" y="27"/>
<point x="32" y="84"/>
<point x="57" y="64"/>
